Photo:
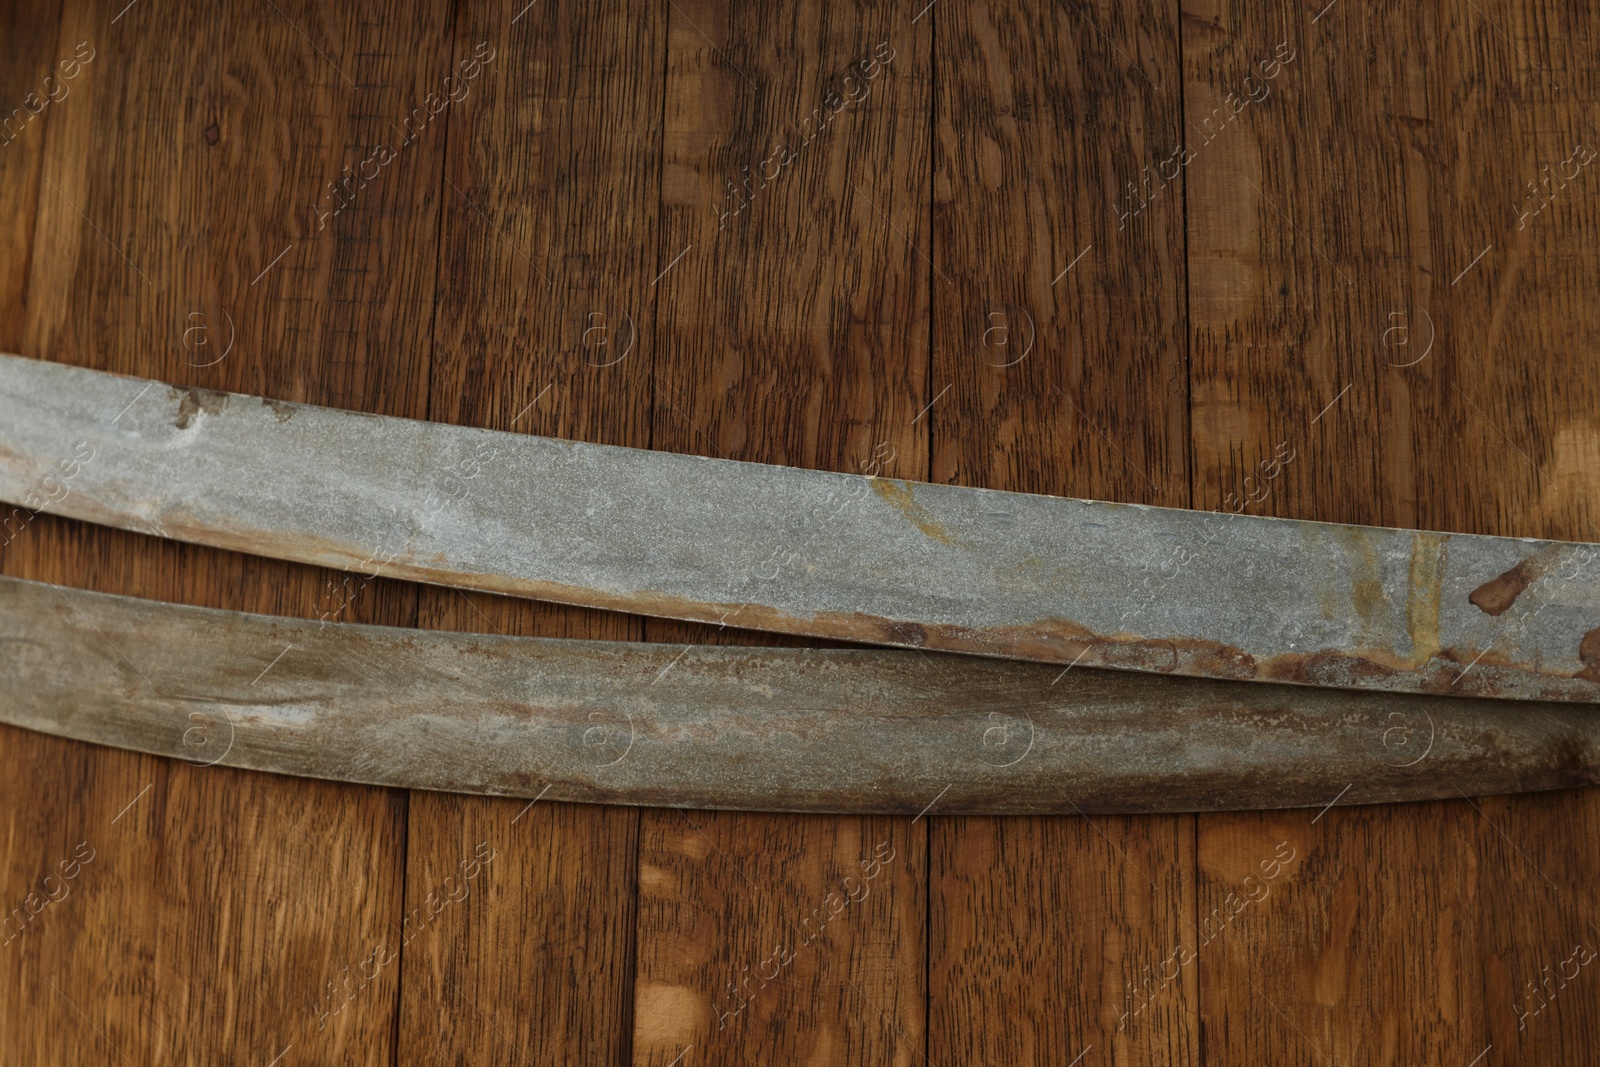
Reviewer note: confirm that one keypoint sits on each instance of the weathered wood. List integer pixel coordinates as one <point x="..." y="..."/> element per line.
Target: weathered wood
<point x="1394" y="936"/>
<point x="34" y="86"/>
<point x="1361" y="228"/>
<point x="548" y="244"/>
<point x="815" y="310"/>
<point x="184" y="162"/>
<point x="1044" y="112"/>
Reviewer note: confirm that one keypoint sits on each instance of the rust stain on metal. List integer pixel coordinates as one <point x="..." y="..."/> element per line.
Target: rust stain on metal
<point x="1496" y="596"/>
<point x="903" y="497"/>
<point x="1368" y="600"/>
<point x="1426" y="595"/>
<point x="1589" y="653"/>
<point x="1313" y="604"/>
<point x="192" y="402"/>
<point x="1052" y="640"/>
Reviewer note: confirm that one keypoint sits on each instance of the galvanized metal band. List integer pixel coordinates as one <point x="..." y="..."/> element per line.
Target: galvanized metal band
<point x="809" y="552"/>
<point x="753" y="729"/>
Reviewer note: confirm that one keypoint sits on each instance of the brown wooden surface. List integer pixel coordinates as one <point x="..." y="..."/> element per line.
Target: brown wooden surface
<point x="548" y="253"/>
<point x="1317" y="223"/>
<point x="1059" y="346"/>
<point x="769" y="941"/>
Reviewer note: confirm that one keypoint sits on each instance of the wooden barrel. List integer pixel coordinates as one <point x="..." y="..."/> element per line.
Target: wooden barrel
<point x="1337" y="264"/>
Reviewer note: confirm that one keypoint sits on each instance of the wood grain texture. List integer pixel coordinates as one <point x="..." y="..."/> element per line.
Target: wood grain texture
<point x="1362" y="218"/>
<point x="32" y="83"/>
<point x="1392" y="255"/>
<point x="145" y="249"/>
<point x="1059" y="348"/>
<point x="526" y="957"/>
<point x="792" y="328"/>
<point x="156" y="959"/>
<point x="543" y="313"/>
<point x="780" y="939"/>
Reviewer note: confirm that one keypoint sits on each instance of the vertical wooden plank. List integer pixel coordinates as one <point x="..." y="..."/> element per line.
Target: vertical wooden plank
<point x="545" y="316"/>
<point x="518" y="932"/>
<point x="176" y="239"/>
<point x="1366" y="232"/>
<point x="1063" y="937"/>
<point x="34" y="87"/>
<point x="792" y="329"/>
<point x="784" y="939"/>
<point x="248" y="215"/>
<point x="1059" y="353"/>
<point x="34" y="843"/>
